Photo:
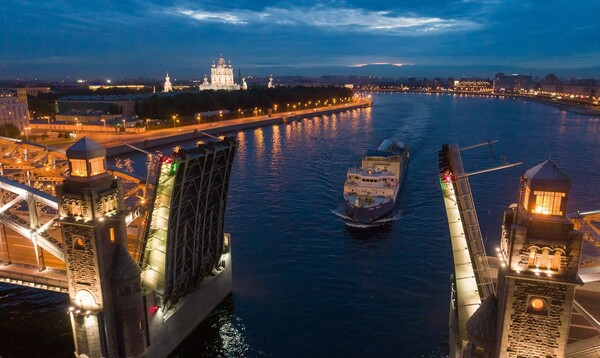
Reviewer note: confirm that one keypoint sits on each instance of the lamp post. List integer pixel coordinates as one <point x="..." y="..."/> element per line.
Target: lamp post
<point x="104" y="122"/>
<point x="26" y="133"/>
<point x="174" y="120"/>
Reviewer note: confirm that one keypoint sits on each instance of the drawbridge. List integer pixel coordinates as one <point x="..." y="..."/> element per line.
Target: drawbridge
<point x="471" y="280"/>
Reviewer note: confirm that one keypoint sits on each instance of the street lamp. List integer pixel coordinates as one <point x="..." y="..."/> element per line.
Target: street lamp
<point x="26" y="133"/>
<point x="174" y="119"/>
<point x="104" y="122"/>
<point x="123" y="125"/>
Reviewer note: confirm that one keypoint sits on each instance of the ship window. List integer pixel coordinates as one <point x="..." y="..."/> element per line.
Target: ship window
<point x="547" y="202"/>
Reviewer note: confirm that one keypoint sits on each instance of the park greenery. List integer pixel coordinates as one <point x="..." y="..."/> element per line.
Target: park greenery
<point x="187" y="104"/>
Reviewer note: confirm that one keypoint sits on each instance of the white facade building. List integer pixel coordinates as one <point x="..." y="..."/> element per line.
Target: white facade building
<point x="168" y="87"/>
<point x="221" y="77"/>
<point x="13" y="111"/>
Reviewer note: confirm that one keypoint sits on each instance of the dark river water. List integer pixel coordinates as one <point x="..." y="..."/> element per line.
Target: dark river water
<point x="305" y="285"/>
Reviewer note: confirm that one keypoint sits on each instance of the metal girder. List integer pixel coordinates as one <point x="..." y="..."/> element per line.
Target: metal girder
<point x="21" y="189"/>
<point x="34" y="236"/>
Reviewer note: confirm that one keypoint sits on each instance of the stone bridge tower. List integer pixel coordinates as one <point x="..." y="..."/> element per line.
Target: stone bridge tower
<point x="538" y="276"/>
<point x="103" y="279"/>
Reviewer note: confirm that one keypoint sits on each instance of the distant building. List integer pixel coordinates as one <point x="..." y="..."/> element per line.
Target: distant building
<point x="472" y="85"/>
<point x="168" y="86"/>
<point x="13" y="111"/>
<point x="23" y="92"/>
<point x="514" y="83"/>
<point x="221" y="77"/>
<point x="124" y="105"/>
<point x="270" y="84"/>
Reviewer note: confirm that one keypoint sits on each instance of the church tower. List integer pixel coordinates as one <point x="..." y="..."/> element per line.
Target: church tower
<point x="94" y="236"/>
<point x="540" y="254"/>
<point x="168" y="87"/>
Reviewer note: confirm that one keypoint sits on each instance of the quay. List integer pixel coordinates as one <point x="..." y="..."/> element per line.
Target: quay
<point x="115" y="143"/>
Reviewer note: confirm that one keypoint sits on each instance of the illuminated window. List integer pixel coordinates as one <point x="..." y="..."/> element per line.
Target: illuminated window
<point x="556" y="259"/>
<point x="97" y="166"/>
<point x="112" y="234"/>
<point x="78" y="167"/>
<point x="548" y="202"/>
<point x="79" y="243"/>
<point x="526" y="198"/>
<point x="74" y="208"/>
<point x="543" y="262"/>
<point x="537" y="305"/>
<point x="109" y="204"/>
<point x="532" y="257"/>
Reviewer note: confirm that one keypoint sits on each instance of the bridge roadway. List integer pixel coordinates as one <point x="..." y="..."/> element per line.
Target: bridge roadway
<point x="115" y="144"/>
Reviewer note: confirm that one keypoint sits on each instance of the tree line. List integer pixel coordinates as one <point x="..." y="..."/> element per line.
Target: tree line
<point x="186" y="104"/>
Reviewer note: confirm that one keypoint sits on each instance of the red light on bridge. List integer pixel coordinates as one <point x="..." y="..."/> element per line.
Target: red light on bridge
<point x="447" y="178"/>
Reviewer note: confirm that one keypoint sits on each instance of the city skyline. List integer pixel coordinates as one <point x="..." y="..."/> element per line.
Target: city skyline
<point x="454" y="38"/>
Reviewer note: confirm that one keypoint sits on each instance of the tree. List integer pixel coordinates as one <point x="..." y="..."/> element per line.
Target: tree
<point x="10" y="130"/>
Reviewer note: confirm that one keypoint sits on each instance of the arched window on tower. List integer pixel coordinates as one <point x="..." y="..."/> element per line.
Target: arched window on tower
<point x="532" y="256"/>
<point x="556" y="260"/>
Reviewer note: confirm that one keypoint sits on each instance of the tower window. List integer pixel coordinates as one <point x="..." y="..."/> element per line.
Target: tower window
<point x="78" y="167"/>
<point x="537" y="305"/>
<point x="97" y="166"/>
<point x="556" y="260"/>
<point x="112" y="234"/>
<point x="79" y="244"/>
<point x="548" y="202"/>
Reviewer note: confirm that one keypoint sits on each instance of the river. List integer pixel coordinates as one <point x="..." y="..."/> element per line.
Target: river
<point x="305" y="285"/>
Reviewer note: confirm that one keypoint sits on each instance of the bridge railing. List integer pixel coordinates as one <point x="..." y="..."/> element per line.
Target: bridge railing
<point x="23" y="279"/>
<point x="470" y="223"/>
<point x="474" y="239"/>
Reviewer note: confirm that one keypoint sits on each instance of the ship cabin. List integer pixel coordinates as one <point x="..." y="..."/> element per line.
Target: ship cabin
<point x="371" y="183"/>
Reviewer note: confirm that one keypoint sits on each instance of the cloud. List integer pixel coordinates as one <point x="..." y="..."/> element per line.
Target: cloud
<point x="328" y="17"/>
<point x="380" y="64"/>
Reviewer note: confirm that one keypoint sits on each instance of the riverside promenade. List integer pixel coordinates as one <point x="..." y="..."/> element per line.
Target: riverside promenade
<point x="115" y="143"/>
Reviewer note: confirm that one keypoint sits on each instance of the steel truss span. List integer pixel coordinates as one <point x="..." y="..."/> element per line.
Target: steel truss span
<point x="194" y="229"/>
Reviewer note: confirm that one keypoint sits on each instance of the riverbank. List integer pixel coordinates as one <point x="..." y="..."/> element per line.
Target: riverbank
<point x="116" y="144"/>
<point x="558" y="103"/>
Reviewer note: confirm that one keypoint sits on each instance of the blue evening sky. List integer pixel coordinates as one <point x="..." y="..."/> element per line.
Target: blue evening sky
<point x="134" y="38"/>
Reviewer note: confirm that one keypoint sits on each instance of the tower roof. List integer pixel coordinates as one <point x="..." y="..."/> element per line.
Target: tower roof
<point x="124" y="268"/>
<point x="86" y="148"/>
<point x="482" y="324"/>
<point x="548" y="173"/>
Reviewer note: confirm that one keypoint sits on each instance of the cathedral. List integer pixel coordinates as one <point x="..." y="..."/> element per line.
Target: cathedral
<point x="221" y="77"/>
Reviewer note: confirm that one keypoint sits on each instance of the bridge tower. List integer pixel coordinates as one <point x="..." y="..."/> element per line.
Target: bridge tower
<point x="540" y="256"/>
<point x="104" y="284"/>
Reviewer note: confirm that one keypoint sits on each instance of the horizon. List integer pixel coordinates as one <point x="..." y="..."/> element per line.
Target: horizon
<point x="456" y="38"/>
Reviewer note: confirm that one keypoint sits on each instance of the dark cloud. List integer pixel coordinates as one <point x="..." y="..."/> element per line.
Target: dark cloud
<point x="133" y="38"/>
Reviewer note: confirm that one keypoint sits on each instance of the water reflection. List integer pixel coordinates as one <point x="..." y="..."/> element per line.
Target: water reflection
<point x="221" y="334"/>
